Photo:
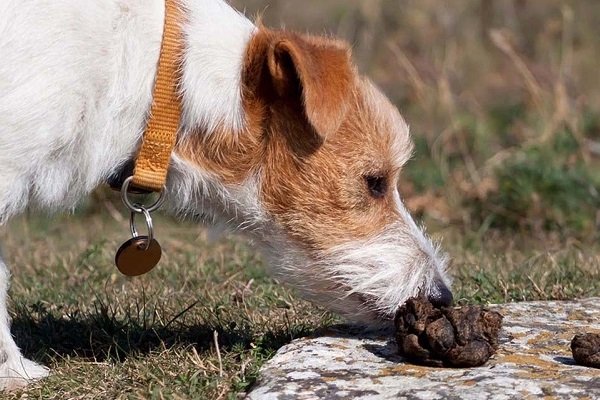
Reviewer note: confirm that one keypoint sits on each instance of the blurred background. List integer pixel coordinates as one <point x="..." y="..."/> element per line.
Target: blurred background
<point x="502" y="96"/>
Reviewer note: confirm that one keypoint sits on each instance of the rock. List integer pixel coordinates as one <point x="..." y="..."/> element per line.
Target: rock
<point x="586" y="349"/>
<point x="533" y="360"/>
<point x="447" y="336"/>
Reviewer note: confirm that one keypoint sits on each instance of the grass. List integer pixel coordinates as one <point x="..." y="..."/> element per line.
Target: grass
<point x="502" y="99"/>
<point x="106" y="336"/>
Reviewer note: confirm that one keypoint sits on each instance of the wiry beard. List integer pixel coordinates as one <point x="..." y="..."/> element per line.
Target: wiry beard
<point x="363" y="280"/>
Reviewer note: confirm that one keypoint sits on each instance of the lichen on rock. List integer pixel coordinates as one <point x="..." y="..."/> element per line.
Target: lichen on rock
<point x="533" y="360"/>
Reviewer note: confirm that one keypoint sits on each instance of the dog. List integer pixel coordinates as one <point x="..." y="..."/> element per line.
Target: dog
<point x="280" y="138"/>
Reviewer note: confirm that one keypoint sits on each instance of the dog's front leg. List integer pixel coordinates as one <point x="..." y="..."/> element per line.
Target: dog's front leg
<point x="15" y="370"/>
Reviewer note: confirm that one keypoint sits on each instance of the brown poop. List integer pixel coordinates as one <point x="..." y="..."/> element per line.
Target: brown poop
<point x="586" y="349"/>
<point x="449" y="337"/>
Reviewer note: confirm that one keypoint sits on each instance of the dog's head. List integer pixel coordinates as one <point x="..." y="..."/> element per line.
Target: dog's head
<point x="313" y="175"/>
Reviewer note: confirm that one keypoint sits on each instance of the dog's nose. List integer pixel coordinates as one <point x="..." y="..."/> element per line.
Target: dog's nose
<point x="440" y="295"/>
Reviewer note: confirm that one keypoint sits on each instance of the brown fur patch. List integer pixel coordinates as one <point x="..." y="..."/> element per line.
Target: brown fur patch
<point x="315" y="69"/>
<point x="321" y="197"/>
<point x="314" y="131"/>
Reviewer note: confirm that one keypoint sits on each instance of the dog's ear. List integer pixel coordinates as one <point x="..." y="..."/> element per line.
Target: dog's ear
<point x="319" y="71"/>
<point x="313" y="73"/>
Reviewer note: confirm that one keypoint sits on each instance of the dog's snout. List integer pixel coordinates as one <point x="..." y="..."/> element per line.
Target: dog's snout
<point x="440" y="295"/>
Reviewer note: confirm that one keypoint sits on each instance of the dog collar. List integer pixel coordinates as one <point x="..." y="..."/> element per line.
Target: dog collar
<point x="152" y="162"/>
<point x="141" y="253"/>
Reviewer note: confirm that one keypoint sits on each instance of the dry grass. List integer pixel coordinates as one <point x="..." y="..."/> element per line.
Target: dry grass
<point x="502" y="97"/>
<point x="106" y="336"/>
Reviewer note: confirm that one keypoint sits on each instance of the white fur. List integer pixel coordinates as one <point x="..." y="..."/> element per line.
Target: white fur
<point x="421" y="243"/>
<point x="213" y="99"/>
<point x="365" y="280"/>
<point x="75" y="84"/>
<point x="198" y="194"/>
<point x="15" y="370"/>
<point x="76" y="80"/>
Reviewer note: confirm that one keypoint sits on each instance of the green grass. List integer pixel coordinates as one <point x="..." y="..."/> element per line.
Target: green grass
<point x="547" y="187"/>
<point x="106" y="336"/>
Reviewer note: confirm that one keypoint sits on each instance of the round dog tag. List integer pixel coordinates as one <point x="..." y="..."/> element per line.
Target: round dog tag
<point x="133" y="258"/>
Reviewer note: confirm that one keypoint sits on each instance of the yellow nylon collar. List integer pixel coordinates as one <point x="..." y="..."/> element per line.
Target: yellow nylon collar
<point x="152" y="163"/>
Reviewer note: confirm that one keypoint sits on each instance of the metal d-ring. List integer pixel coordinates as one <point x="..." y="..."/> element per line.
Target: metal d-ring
<point x="136" y="207"/>
<point x="149" y="226"/>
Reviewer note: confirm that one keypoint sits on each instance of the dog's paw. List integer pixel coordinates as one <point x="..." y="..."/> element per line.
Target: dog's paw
<point x="20" y="372"/>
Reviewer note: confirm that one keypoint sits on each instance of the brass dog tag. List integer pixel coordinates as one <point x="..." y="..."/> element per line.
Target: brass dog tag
<point x="133" y="260"/>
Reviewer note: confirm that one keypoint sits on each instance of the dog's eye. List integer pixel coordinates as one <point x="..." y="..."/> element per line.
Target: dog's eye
<point x="377" y="185"/>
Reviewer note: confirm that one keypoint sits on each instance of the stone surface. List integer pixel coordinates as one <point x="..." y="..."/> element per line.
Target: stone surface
<point x="533" y="361"/>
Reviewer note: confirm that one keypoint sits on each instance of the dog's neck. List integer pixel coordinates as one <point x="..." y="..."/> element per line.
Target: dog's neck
<point x="215" y="37"/>
<point x="216" y="40"/>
